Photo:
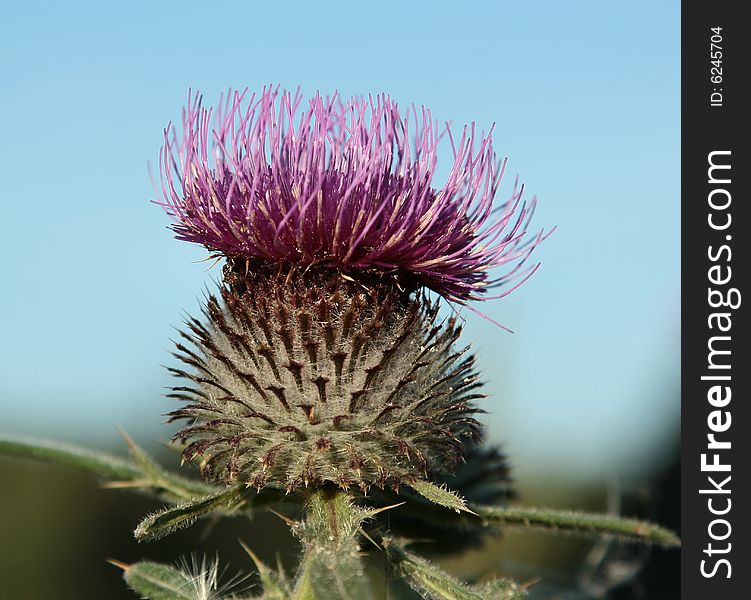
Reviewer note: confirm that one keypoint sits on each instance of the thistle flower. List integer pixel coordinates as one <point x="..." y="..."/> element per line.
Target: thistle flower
<point x="322" y="361"/>
<point x="303" y="379"/>
<point x="346" y="185"/>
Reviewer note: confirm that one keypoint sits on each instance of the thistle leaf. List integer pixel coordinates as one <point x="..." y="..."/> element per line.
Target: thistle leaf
<point x="579" y="522"/>
<point x="441" y="495"/>
<point x="98" y="463"/>
<point x="171" y="519"/>
<point x="154" y="581"/>
<point x="143" y="474"/>
<point x="179" y="487"/>
<point x="275" y="587"/>
<point x="431" y="582"/>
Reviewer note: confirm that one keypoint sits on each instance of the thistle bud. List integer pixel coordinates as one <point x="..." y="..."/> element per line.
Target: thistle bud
<point x="305" y="377"/>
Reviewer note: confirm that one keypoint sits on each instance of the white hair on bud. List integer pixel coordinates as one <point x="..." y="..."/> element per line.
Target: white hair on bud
<point x="205" y="577"/>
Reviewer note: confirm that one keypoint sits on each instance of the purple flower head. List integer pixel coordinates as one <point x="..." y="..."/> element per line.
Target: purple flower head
<point x="347" y="185"/>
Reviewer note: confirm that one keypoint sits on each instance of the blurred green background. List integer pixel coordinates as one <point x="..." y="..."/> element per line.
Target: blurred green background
<point x="584" y="397"/>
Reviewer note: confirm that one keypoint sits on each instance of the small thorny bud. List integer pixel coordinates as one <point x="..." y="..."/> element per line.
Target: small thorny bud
<point x="306" y="377"/>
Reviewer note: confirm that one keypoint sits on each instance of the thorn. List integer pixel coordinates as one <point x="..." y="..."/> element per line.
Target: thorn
<point x="385" y="508"/>
<point x="118" y="564"/>
<point x="370" y="539"/>
<point x="128" y="440"/>
<point x="528" y="584"/>
<point x="419" y="540"/>
<point x="287" y="520"/>
<point x="172" y="447"/>
<point x="256" y="561"/>
<point x="118" y="485"/>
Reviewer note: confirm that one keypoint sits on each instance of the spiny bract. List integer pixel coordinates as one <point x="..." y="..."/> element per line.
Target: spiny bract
<point x="303" y="378"/>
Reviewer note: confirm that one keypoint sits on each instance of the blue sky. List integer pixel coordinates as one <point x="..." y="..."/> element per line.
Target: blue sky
<point x="586" y="100"/>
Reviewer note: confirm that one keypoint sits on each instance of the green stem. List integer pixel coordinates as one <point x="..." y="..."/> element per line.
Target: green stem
<point x="431" y="582"/>
<point x="331" y="568"/>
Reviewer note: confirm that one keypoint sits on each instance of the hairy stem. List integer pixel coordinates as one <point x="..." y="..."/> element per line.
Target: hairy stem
<point x="331" y="566"/>
<point x="578" y="522"/>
